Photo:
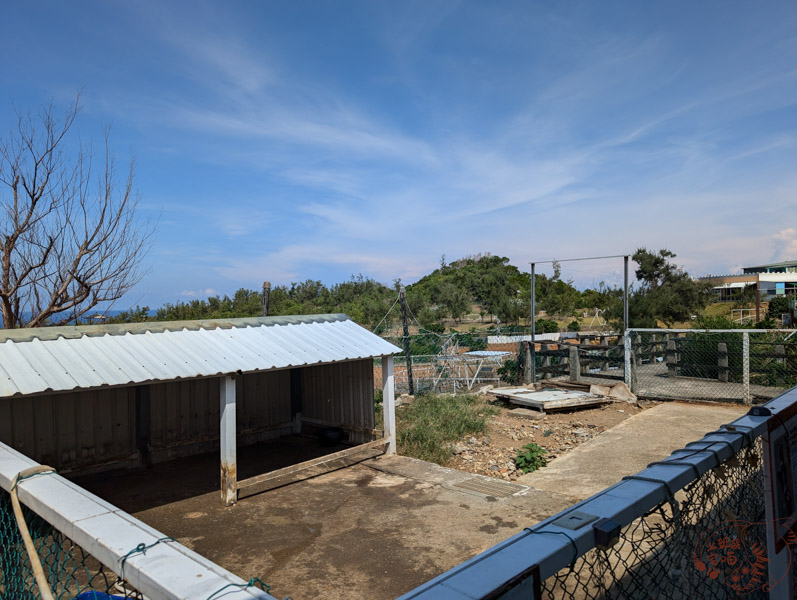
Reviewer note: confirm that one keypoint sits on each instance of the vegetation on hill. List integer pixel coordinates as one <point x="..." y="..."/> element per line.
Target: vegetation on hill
<point x="664" y="294"/>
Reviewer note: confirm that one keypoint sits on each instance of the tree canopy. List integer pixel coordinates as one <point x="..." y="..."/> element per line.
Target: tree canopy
<point x="665" y="292"/>
<point x="70" y="236"/>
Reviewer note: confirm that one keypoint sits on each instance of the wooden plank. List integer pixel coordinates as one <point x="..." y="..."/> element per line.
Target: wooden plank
<point x="314" y="467"/>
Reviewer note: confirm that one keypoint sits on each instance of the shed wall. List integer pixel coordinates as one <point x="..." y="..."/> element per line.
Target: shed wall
<point x="89" y="429"/>
<point x="185" y="414"/>
<point x="73" y="429"/>
<point x="341" y="394"/>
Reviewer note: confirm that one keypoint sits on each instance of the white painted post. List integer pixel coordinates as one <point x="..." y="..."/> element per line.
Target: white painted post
<point x="389" y="403"/>
<point x="227" y="445"/>
<point x="746" y="367"/>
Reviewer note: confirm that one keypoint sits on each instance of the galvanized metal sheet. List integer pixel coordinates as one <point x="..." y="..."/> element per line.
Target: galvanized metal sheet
<point x="96" y="356"/>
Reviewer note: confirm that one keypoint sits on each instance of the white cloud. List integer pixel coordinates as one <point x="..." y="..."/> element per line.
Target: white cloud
<point x="199" y="293"/>
<point x="785" y="242"/>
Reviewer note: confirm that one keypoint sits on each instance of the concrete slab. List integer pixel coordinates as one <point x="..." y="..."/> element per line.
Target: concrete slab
<point x="526" y="413"/>
<point x="373" y="530"/>
<point x="549" y="399"/>
<point x="629" y="447"/>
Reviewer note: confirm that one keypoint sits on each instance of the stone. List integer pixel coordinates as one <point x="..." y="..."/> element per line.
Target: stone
<point x="620" y="391"/>
<point x="526" y="413"/>
<point x="600" y="390"/>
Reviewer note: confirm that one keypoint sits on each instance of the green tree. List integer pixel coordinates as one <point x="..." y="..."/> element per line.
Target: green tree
<point x="665" y="291"/>
<point x="777" y="306"/>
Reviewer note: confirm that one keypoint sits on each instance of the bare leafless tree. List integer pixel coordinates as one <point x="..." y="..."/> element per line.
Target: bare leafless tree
<point x="70" y="238"/>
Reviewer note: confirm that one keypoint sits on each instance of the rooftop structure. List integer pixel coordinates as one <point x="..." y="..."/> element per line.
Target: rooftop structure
<point x="788" y="266"/>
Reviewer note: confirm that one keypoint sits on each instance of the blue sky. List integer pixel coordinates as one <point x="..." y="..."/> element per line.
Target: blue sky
<point x="294" y="140"/>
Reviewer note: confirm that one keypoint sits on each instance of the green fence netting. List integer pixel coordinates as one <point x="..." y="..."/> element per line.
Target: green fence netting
<point x="73" y="574"/>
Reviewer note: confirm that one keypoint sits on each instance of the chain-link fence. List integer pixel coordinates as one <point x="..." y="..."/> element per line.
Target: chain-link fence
<point x="693" y="525"/>
<point x="71" y="572"/>
<point x="446" y="373"/>
<point x="705" y="542"/>
<point x="749" y="366"/>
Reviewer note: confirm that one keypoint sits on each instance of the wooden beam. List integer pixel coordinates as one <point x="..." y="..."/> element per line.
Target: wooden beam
<point x="314" y="467"/>
<point x="227" y="441"/>
<point x="389" y="403"/>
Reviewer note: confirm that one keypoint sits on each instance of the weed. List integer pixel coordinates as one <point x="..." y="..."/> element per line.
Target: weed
<point x="427" y="427"/>
<point x="531" y="457"/>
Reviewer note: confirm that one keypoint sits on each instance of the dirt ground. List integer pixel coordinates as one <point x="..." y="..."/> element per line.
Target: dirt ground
<point x="494" y="452"/>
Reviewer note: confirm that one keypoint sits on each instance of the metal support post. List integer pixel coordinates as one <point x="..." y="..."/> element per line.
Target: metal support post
<point x="746" y="367"/>
<point x="625" y="293"/>
<point x="227" y="442"/>
<point x="533" y="329"/>
<point x="389" y="403"/>
<point x="627" y="357"/>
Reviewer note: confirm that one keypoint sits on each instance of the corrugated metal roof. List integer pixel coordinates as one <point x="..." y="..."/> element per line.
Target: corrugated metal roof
<point x="67" y="358"/>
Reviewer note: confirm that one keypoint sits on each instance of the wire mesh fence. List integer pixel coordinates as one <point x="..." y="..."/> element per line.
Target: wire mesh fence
<point x="71" y="572"/>
<point x="693" y="525"/>
<point x="445" y="373"/>
<point x="708" y="541"/>
<point x="721" y="365"/>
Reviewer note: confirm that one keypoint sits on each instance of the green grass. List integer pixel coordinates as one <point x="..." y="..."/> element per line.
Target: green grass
<point x="426" y="428"/>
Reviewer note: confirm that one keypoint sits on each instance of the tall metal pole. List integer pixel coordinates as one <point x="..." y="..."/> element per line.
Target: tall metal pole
<point x="406" y="340"/>
<point x="625" y="293"/>
<point x="533" y="329"/>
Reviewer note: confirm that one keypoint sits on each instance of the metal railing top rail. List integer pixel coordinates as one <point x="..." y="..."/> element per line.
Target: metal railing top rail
<point x="167" y="571"/>
<point x="662" y="330"/>
<point x="523" y="561"/>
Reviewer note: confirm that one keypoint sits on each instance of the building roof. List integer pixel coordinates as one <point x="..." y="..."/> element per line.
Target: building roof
<point x="778" y="265"/>
<point x="52" y="359"/>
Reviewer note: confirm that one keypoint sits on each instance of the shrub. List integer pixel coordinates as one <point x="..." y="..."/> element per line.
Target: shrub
<point x="546" y="326"/>
<point x="531" y="457"/>
<point x="574" y="325"/>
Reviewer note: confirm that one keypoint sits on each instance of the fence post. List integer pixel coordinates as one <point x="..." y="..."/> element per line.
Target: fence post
<point x="627" y="359"/>
<point x="604" y="365"/>
<point x="722" y="361"/>
<point x="527" y="362"/>
<point x="546" y="360"/>
<point x="746" y="367"/>
<point x="575" y="364"/>
<point x="672" y="359"/>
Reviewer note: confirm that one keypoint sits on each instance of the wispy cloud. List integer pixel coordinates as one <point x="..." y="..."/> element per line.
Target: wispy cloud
<point x="207" y="292"/>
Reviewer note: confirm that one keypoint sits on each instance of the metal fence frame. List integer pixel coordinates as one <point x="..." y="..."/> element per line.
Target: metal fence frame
<point x="517" y="567"/>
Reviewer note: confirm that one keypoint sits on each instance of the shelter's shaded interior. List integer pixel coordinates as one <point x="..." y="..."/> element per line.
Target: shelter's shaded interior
<point x="86" y="431"/>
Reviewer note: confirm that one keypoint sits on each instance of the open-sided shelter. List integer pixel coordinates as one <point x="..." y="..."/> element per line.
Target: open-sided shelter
<point x="105" y="396"/>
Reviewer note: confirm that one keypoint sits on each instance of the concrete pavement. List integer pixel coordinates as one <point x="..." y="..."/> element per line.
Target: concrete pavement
<point x="629" y="447"/>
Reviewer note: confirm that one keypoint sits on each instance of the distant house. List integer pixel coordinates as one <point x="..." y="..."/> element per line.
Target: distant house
<point x="767" y="282"/>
